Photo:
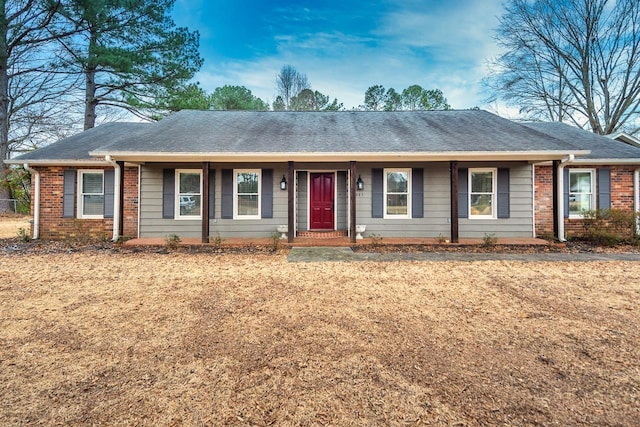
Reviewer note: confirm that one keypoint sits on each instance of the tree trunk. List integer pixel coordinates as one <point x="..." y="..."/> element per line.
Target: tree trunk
<point x="90" y="101"/>
<point x="90" y="98"/>
<point x="5" y="206"/>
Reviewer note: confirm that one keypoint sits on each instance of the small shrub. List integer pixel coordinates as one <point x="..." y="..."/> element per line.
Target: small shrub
<point x="489" y="240"/>
<point x="217" y="241"/>
<point x="23" y="234"/>
<point x="376" y="240"/>
<point x="603" y="238"/>
<point x="172" y="241"/>
<point x="609" y="226"/>
<point x="275" y="242"/>
<point x="442" y="239"/>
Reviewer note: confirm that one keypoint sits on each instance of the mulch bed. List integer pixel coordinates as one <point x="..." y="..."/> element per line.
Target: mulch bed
<point x="18" y="246"/>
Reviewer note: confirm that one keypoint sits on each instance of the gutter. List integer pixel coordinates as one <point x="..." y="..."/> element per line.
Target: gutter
<point x="116" y="198"/>
<point x="56" y="162"/>
<point x="36" y="200"/>
<point x="560" y="193"/>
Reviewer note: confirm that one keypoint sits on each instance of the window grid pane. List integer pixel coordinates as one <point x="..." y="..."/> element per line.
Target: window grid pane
<point x="248" y="205"/>
<point x="580" y="191"/>
<point x="189" y="195"/>
<point x="397" y="204"/>
<point x="482" y="182"/>
<point x="481" y="195"/>
<point x="189" y="183"/>
<point x="247" y="194"/>
<point x="579" y="203"/>
<point x="91" y="183"/>
<point x="397" y="193"/>
<point x="92" y="205"/>
<point x="481" y="204"/>
<point x="247" y="183"/>
<point x="397" y="182"/>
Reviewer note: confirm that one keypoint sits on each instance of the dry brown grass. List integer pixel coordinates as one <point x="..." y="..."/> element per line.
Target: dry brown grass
<point x="202" y="339"/>
<point x="10" y="225"/>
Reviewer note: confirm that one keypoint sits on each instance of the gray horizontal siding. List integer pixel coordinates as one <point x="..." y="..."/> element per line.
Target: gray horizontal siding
<point x="520" y="222"/>
<point x="153" y="225"/>
<point x="436" y="204"/>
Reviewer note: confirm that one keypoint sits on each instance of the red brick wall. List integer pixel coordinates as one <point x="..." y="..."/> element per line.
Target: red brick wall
<point x="544" y="200"/>
<point x="621" y="197"/>
<point x="54" y="226"/>
<point x="130" y="206"/>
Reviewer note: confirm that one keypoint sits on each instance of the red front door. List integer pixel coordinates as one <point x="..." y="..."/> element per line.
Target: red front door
<point x="322" y="204"/>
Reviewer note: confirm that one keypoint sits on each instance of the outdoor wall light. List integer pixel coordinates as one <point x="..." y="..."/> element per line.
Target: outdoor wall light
<point x="360" y="183"/>
<point x="283" y="183"/>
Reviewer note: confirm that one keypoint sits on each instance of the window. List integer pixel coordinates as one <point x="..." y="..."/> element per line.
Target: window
<point x="581" y="183"/>
<point x="482" y="195"/>
<point x="396" y="191"/>
<point x="91" y="194"/>
<point x="188" y="194"/>
<point x="246" y="193"/>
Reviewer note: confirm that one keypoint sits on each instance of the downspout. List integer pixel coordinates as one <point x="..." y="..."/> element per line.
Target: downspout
<point x="560" y="193"/>
<point x="116" y="198"/>
<point x="533" y="205"/>
<point x="636" y="197"/>
<point x="36" y="200"/>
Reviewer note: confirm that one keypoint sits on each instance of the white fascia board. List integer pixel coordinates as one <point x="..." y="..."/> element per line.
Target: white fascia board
<point x="333" y="157"/>
<point x="606" y="161"/>
<point x="626" y="138"/>
<point x="61" y="162"/>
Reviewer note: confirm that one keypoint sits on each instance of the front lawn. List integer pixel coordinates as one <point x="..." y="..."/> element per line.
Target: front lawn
<point x="224" y="339"/>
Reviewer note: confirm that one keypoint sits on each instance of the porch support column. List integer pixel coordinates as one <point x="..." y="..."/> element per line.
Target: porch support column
<point x="453" y="170"/>
<point x="291" y="188"/>
<point x="121" y="207"/>
<point x="204" y="202"/>
<point x="554" y="183"/>
<point x="352" y="200"/>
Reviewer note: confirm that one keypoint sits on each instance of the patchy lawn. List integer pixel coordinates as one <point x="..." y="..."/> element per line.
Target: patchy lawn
<point x="10" y="225"/>
<point x="226" y="339"/>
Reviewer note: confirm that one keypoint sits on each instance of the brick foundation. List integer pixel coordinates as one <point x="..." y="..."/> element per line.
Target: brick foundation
<point x="53" y="226"/>
<point x="621" y="197"/>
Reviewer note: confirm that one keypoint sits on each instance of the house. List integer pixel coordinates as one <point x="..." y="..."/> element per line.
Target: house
<point x="607" y="177"/>
<point x="458" y="174"/>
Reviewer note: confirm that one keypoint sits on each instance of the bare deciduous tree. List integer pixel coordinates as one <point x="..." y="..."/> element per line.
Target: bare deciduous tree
<point x="31" y="88"/>
<point x="289" y="83"/>
<point x="575" y="61"/>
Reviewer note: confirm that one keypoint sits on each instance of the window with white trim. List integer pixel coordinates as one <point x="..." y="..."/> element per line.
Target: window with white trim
<point x="188" y="193"/>
<point x="581" y="191"/>
<point x="482" y="193"/>
<point x="246" y="193"/>
<point x="91" y="194"/>
<point x="397" y="193"/>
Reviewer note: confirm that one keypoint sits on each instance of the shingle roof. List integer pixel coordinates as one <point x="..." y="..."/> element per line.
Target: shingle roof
<point x="77" y="147"/>
<point x="335" y="132"/>
<point x="225" y="132"/>
<point x="601" y="147"/>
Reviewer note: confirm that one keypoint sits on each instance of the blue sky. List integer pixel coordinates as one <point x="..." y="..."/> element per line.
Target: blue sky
<point x="346" y="46"/>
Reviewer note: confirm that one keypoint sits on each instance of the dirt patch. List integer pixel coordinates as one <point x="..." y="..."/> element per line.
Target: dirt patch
<point x="99" y="336"/>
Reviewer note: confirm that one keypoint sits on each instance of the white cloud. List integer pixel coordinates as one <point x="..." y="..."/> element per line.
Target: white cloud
<point x="436" y="48"/>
